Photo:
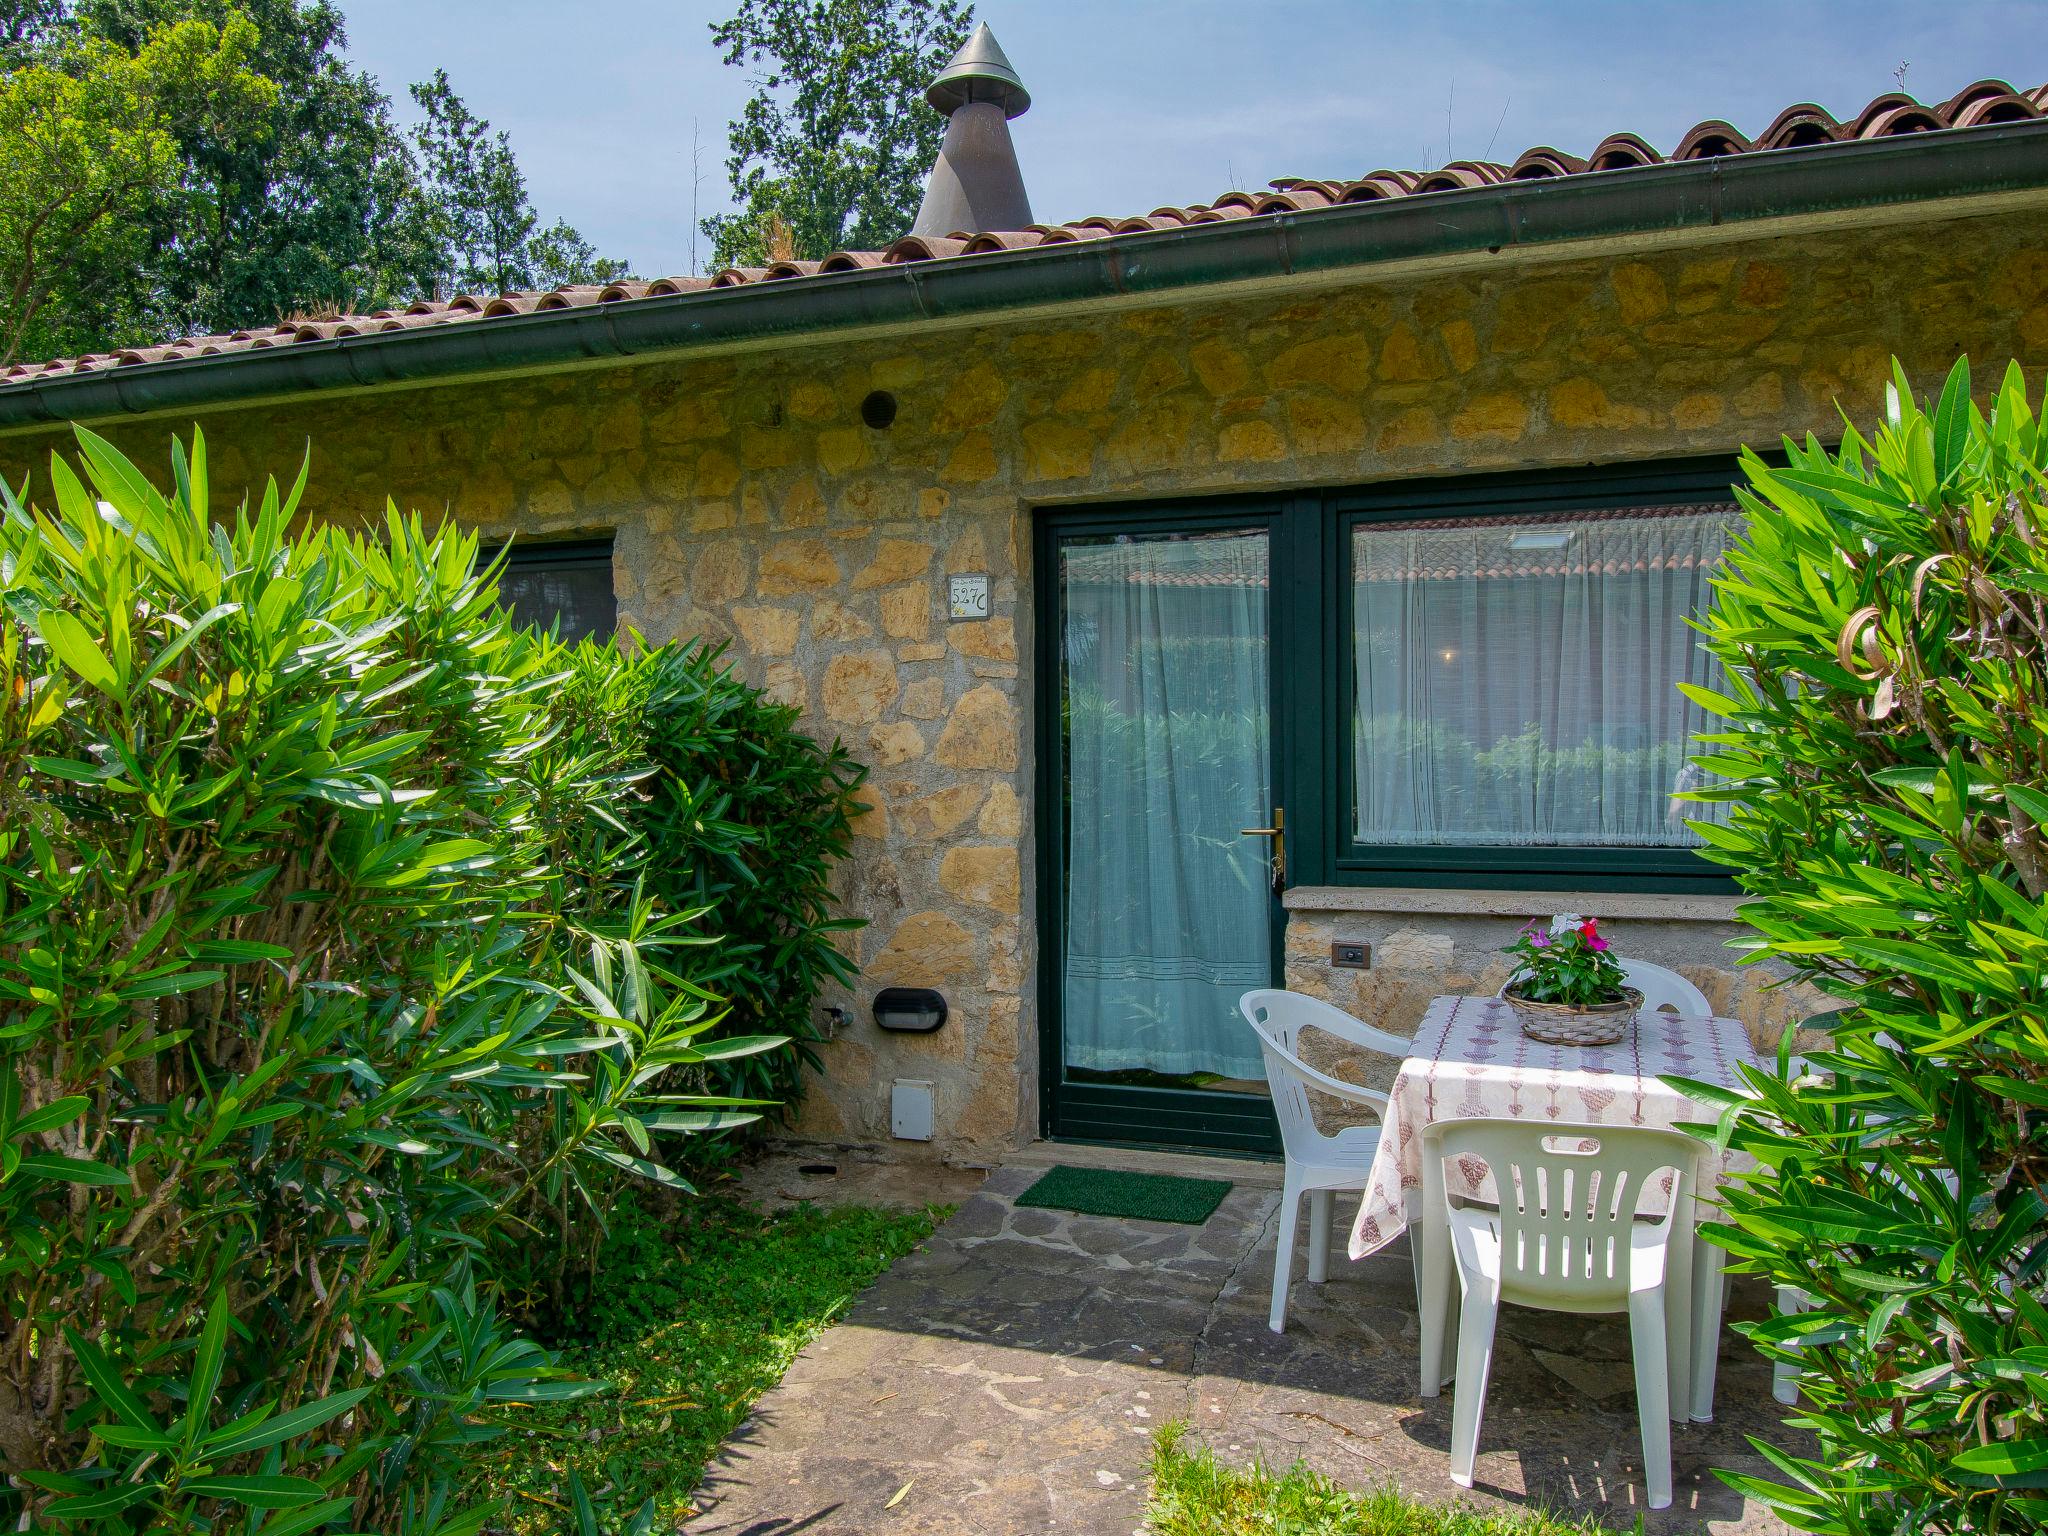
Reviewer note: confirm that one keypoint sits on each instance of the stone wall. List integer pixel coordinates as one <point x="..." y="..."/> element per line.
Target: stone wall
<point x="1424" y="943"/>
<point x="750" y="503"/>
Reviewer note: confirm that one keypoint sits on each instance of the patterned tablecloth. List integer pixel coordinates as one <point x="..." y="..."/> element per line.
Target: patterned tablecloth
<point x="1470" y="1058"/>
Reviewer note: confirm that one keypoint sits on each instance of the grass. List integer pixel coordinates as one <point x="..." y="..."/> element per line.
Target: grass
<point x="1194" y="1494"/>
<point x="691" y="1317"/>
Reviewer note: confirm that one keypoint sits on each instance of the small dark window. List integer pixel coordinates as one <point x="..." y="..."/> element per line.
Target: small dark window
<point x="568" y="583"/>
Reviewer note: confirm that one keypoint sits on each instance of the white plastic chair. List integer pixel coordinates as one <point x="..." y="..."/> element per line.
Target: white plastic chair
<point x="1665" y="991"/>
<point x="1565" y="1238"/>
<point x="1317" y="1164"/>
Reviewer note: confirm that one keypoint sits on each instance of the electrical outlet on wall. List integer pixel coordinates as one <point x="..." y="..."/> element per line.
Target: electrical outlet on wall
<point x="1351" y="954"/>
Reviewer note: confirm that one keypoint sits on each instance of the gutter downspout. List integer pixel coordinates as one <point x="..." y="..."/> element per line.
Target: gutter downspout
<point x="1739" y="189"/>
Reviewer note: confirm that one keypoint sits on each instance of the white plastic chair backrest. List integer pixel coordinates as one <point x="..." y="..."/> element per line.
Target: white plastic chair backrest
<point x="1569" y="1195"/>
<point x="1665" y="991"/>
<point x="1278" y="1019"/>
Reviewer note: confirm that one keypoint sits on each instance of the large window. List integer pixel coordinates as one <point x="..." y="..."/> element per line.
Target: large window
<point x="1508" y="666"/>
<point x="569" y="583"/>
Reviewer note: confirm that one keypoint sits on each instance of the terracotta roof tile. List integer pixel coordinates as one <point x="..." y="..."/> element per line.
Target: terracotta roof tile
<point x="1981" y="104"/>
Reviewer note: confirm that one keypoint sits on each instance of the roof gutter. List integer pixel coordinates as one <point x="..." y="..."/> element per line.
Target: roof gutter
<point x="1676" y="197"/>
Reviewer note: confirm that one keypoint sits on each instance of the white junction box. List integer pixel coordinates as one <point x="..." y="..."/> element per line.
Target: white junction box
<point x="910" y="1109"/>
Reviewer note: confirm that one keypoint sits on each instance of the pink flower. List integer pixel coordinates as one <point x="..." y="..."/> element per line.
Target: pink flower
<point x="1595" y="943"/>
<point x="1539" y="938"/>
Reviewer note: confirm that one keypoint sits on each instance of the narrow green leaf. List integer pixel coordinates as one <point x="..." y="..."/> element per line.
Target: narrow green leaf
<point x="56" y="1113"/>
<point x="275" y="1492"/>
<point x="97" y="1506"/>
<point x="285" y="1426"/>
<point x="72" y="643"/>
<point x="71" y="1170"/>
<point x="206" y="1367"/>
<point x="1952" y="421"/>
<point x="579" y="1499"/>
<point x="107" y="1385"/>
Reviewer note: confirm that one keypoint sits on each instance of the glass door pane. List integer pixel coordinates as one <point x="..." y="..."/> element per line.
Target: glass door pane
<point x="1168" y="907"/>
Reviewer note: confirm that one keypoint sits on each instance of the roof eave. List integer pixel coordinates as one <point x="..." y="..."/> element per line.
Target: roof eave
<point x="1671" y="198"/>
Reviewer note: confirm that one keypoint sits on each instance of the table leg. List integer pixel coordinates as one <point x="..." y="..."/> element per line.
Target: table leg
<point x="1710" y="1297"/>
<point x="1429" y="1246"/>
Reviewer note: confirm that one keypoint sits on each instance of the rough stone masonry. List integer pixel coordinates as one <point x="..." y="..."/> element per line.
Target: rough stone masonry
<point x="750" y="503"/>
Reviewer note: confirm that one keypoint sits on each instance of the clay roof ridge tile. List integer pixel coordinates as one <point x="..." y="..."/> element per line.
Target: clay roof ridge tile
<point x="1542" y="162"/>
<point x="1805" y="123"/>
<point x="850" y="261"/>
<point x="1622" y="151"/>
<point x="1708" y="140"/>
<point x="1003" y="240"/>
<point x="1989" y="101"/>
<point x="1892" y="113"/>
<point x="922" y="248"/>
<point x="1976" y="90"/>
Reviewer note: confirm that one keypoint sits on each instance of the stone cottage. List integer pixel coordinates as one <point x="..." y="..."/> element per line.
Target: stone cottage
<point x="1288" y="586"/>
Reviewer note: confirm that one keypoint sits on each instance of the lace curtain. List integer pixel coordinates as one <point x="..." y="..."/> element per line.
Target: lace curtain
<point x="1517" y="679"/>
<point x="1168" y="915"/>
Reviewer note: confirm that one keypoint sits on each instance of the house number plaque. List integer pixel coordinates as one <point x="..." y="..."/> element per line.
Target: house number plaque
<point x="967" y="597"/>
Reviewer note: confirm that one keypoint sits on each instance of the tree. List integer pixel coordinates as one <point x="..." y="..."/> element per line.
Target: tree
<point x="831" y="151"/>
<point x="558" y="255"/>
<point x="315" y="204"/>
<point x="485" y="227"/>
<point x="88" y="149"/>
<point x="317" y="213"/>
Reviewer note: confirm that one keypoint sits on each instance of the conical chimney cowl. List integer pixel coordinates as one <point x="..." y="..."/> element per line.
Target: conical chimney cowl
<point x="976" y="184"/>
<point x="980" y="71"/>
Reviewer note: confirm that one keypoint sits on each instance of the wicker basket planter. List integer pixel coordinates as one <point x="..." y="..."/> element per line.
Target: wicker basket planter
<point x="1563" y="1024"/>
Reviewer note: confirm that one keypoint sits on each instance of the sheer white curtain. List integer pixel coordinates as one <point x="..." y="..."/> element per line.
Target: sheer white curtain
<point x="1517" y="679"/>
<point x="1164" y="645"/>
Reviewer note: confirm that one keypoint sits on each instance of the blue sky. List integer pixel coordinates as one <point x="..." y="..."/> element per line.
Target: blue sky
<point x="1142" y="102"/>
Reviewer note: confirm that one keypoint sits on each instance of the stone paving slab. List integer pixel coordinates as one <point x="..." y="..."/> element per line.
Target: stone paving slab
<point x="1011" y="1371"/>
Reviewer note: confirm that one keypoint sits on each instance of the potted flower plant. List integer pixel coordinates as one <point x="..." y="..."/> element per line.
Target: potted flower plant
<point x="1568" y="989"/>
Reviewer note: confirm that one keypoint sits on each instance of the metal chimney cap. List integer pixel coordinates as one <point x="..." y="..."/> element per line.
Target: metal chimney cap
<point x="979" y="72"/>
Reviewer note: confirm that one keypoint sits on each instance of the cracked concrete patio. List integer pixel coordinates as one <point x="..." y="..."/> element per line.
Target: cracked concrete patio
<point x="1006" y="1377"/>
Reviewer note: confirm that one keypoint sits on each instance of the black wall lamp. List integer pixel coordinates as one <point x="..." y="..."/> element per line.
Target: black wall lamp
<point x="909" y="1010"/>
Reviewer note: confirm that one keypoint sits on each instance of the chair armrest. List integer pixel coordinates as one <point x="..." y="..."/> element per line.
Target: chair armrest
<point x="1334" y="1021"/>
<point x="1336" y="1087"/>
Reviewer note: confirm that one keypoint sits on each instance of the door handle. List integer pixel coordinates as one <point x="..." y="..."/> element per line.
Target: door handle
<point x="1278" y="833"/>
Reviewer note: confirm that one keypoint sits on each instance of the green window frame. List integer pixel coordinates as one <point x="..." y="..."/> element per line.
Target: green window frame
<point x="1317" y="704"/>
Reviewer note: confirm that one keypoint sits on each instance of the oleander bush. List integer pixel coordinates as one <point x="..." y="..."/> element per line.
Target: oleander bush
<point x="1883" y="757"/>
<point x="340" y="956"/>
<point x="746" y="817"/>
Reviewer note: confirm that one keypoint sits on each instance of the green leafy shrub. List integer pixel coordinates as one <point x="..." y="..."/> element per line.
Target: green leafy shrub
<point x="324" y="960"/>
<point x="745" y="819"/>
<point x="1884" y="628"/>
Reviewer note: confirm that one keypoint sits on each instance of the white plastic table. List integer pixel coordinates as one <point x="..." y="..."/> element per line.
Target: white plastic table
<point x="1470" y="1058"/>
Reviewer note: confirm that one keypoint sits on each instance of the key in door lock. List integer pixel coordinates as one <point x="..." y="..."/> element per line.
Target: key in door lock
<point x="1278" y="833"/>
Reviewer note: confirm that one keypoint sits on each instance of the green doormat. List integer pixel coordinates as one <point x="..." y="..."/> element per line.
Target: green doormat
<point x="1149" y="1196"/>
